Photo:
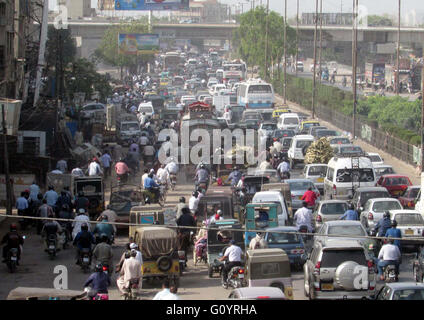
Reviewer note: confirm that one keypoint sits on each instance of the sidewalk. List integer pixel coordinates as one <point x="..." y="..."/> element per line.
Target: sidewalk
<point x="399" y="166"/>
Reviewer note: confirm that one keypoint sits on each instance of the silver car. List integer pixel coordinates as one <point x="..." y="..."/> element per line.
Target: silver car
<point x="316" y="173"/>
<point x="329" y="210"/>
<point x="374" y="209"/>
<point x="298" y="187"/>
<point x="401" y="291"/>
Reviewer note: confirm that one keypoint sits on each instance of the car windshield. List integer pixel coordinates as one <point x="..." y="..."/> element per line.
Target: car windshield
<point x="333" y="258"/>
<point x="326" y="133"/>
<point x="260" y="88"/>
<point x="287" y="142"/>
<point x="365" y="196"/>
<point x="303" y="143"/>
<point x="130" y="126"/>
<point x="339" y="141"/>
<point x="310" y="124"/>
<point x="409" y="219"/>
<point x="334" y="208"/>
<point x="384" y="170"/>
<point x="409" y="294"/>
<point x="351" y="149"/>
<point x="413" y="193"/>
<point x="284" y="133"/>
<point x="250" y="116"/>
<point x="146" y="109"/>
<point x="274" y="238"/>
<point x="269" y="126"/>
<point x="397" y="181"/>
<point x="382" y="206"/>
<point x="300" y="185"/>
<point x="291" y="121"/>
<point x="355" y="175"/>
<point x="347" y="230"/>
<point x="375" y="158"/>
<point x="317" y="170"/>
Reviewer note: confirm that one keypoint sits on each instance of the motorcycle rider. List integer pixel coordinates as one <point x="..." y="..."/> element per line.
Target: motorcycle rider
<point x="193" y="202"/>
<point x="103" y="254"/>
<point x="122" y="169"/>
<point x="83" y="240"/>
<point x="383" y="224"/>
<point x="151" y="186"/>
<point x="284" y="169"/>
<point x="163" y="176"/>
<point x="202" y="176"/>
<point x="172" y="167"/>
<point x="303" y="217"/>
<point x="234" y="176"/>
<point x="180" y="206"/>
<point x="63" y="199"/>
<point x="104" y="228"/>
<point x="389" y="254"/>
<point x="258" y="242"/>
<point x="216" y="217"/>
<point x="98" y="281"/>
<point x="66" y="213"/>
<point x="81" y="202"/>
<point x="350" y="214"/>
<point x="51" y="228"/>
<point x="80" y="219"/>
<point x="111" y="216"/>
<point x="234" y="255"/>
<point x="309" y="197"/>
<point x="395" y="233"/>
<point x="131" y="269"/>
<point x="12" y="239"/>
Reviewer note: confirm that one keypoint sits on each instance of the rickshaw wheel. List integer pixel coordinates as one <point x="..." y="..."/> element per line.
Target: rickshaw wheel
<point x="210" y="271"/>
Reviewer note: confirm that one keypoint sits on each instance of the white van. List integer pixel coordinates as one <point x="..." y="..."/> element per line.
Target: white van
<point x="297" y="150"/>
<point x="275" y="197"/>
<point x="288" y="121"/>
<point x="341" y="180"/>
<point x="147" y="108"/>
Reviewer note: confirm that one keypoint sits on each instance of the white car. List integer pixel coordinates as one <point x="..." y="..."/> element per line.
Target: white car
<point x="374" y="208"/>
<point x="212" y="82"/>
<point x="376" y="159"/>
<point x="411" y="224"/>
<point x="90" y="109"/>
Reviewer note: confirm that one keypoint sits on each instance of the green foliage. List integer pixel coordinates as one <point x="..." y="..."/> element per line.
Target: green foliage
<point x="374" y="20"/>
<point x="59" y="45"/>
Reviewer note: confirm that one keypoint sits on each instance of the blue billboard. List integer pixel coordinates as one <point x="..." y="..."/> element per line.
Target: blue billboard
<point x="151" y="4"/>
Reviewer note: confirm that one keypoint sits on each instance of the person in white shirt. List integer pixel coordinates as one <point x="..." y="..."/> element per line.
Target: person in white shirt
<point x="278" y="147"/>
<point x="77" y="172"/>
<point x="139" y="256"/>
<point x="217" y="216"/>
<point x="163" y="176"/>
<point x="131" y="269"/>
<point x="80" y="219"/>
<point x="389" y="254"/>
<point x="234" y="255"/>
<point x="258" y="242"/>
<point x="62" y="165"/>
<point x="166" y="293"/>
<point x="193" y="202"/>
<point x="57" y="172"/>
<point x="94" y="169"/>
<point x="34" y="190"/>
<point x="303" y="217"/>
<point x="172" y="167"/>
<point x="144" y="176"/>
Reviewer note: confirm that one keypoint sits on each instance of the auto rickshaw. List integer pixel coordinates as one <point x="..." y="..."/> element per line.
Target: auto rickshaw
<point x="252" y="185"/>
<point x="211" y="203"/>
<point x="122" y="199"/>
<point x="27" y="293"/>
<point x="284" y="188"/>
<point x="159" y="247"/>
<point x="219" y="235"/>
<point x="93" y="189"/>
<point x="147" y="215"/>
<point x="269" y="268"/>
<point x="260" y="216"/>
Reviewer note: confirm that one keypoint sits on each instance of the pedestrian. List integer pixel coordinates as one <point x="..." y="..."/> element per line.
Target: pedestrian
<point x="180" y="206"/>
<point x="94" y="168"/>
<point x="193" y="202"/>
<point x="51" y="196"/>
<point x="62" y="165"/>
<point x="165" y="294"/>
<point x="22" y="204"/>
<point x="34" y="190"/>
<point x="106" y="160"/>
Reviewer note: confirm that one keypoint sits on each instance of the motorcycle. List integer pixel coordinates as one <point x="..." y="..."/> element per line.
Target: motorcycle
<point x="51" y="246"/>
<point x="203" y="186"/>
<point x="85" y="259"/>
<point x="173" y="178"/>
<point x="148" y="161"/>
<point x="67" y="229"/>
<point x="200" y="249"/>
<point x="94" y="295"/>
<point x="12" y="259"/>
<point x="131" y="291"/>
<point x="149" y="197"/>
<point x="181" y="260"/>
<point x="390" y="274"/>
<point x="235" y="278"/>
<point x="304" y="229"/>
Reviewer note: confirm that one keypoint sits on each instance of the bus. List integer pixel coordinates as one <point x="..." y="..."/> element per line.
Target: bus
<point x="172" y="60"/>
<point x="234" y="71"/>
<point x="256" y="94"/>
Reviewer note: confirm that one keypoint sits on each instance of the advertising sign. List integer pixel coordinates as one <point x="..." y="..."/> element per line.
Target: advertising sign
<point x="12" y="114"/>
<point x="151" y="4"/>
<point x="138" y="43"/>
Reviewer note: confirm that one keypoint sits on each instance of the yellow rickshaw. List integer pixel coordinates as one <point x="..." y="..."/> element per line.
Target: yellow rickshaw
<point x="150" y="214"/>
<point x="278" y="112"/>
<point x="159" y="247"/>
<point x="269" y="268"/>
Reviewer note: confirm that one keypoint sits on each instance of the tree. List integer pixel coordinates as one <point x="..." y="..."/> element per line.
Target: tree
<point x="59" y="44"/>
<point x="376" y="21"/>
<point x="250" y="37"/>
<point x="108" y="51"/>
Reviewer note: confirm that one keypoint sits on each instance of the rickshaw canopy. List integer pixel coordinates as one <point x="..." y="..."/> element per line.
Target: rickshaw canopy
<point x="155" y="241"/>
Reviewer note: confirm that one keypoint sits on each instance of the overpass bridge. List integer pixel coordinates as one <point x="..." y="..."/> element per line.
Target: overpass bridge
<point x="91" y="33"/>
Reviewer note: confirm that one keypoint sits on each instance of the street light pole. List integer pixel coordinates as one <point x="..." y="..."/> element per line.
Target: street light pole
<point x="266" y="40"/>
<point x="315" y="60"/>
<point x="320" y="40"/>
<point x="297" y="35"/>
<point x="285" y="53"/>
<point x="398" y="53"/>
<point x="6" y="165"/>
<point x="354" y="63"/>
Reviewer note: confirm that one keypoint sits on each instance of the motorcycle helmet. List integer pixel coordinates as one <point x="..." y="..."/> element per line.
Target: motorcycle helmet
<point x="84" y="227"/>
<point x="182" y="200"/>
<point x="394" y="223"/>
<point x="13" y="227"/>
<point x="351" y="206"/>
<point x="386" y="214"/>
<point x="99" y="267"/>
<point x="81" y="211"/>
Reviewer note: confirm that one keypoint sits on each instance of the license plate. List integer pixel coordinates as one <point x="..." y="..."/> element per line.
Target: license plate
<point x="13" y="258"/>
<point x="51" y="247"/>
<point x="241" y="276"/>
<point x="182" y="261"/>
<point x="85" y="260"/>
<point x="320" y="180"/>
<point x="409" y="232"/>
<point x="327" y="286"/>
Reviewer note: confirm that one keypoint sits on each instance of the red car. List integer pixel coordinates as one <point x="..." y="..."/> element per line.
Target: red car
<point x="408" y="198"/>
<point x="396" y="184"/>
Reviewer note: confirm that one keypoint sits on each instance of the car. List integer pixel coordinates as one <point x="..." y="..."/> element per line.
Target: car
<point x="299" y="66"/>
<point x="298" y="187"/>
<point x="325" y="133"/>
<point x="249" y="124"/>
<point x="338" y="140"/>
<point x="348" y="150"/>
<point x="407" y="199"/>
<point x="375" y="158"/>
<point x="328" y="210"/>
<point x="382" y="169"/>
<point x="313" y="129"/>
<point x="396" y="184"/>
<point x="286" y="238"/>
<point x="298" y="148"/>
<point x="280" y="134"/>
<point x="348" y="229"/>
<point x="329" y="271"/>
<point x="286" y="142"/>
<point x="373" y="210"/>
<point x="267" y="128"/>
<point x="251" y="114"/>
<point x="316" y="173"/>
<point x="271" y="174"/>
<point x="89" y="110"/>
<point x="411" y="225"/>
<point x="257" y="293"/>
<point x="401" y="291"/>
<point x="363" y="194"/>
<point x="306" y="125"/>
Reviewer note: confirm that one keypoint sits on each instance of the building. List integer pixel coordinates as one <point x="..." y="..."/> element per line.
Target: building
<point x="78" y="9"/>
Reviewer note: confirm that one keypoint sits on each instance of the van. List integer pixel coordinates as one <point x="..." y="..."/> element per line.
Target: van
<point x="298" y="147"/>
<point x="346" y="174"/>
<point x="289" y="121"/>
<point x="127" y="129"/>
<point x="147" y="108"/>
<point x="276" y="197"/>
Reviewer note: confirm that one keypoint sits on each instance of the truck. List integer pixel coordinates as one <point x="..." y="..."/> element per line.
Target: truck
<point x="374" y="72"/>
<point x="127" y="129"/>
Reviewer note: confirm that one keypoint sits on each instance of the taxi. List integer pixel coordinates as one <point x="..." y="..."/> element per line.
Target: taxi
<point x="278" y="112"/>
<point x="305" y="125"/>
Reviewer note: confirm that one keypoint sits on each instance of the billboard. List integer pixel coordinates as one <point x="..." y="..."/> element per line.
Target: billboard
<point x="151" y="4"/>
<point x="12" y="114"/>
<point x="138" y="43"/>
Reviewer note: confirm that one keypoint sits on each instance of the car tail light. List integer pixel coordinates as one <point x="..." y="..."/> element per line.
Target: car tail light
<point x="370" y="264"/>
<point x="372" y="288"/>
<point x="104" y="268"/>
<point x="319" y="219"/>
<point x="292" y="195"/>
<point x="370" y="216"/>
<point x="263" y="297"/>
<point x="241" y="271"/>
<point x="334" y="190"/>
<point x="317" y="268"/>
<point x="247" y="105"/>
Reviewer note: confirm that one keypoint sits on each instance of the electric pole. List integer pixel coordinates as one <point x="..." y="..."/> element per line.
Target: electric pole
<point x="285" y="53"/>
<point x="266" y="40"/>
<point x="320" y="41"/>
<point x="315" y="60"/>
<point x="6" y="164"/>
<point x="297" y="35"/>
<point x="354" y="62"/>
<point x="422" y="130"/>
<point x="398" y="53"/>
